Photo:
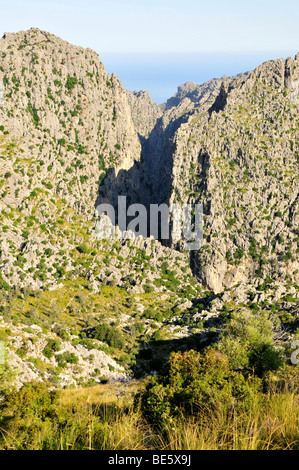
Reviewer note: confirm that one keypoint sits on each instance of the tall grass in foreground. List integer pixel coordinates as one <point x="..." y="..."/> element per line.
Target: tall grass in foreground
<point x="109" y="426"/>
<point x="274" y="426"/>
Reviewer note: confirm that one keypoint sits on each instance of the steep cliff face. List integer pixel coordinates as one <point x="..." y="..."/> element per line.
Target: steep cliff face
<point x="159" y="148"/>
<point x="232" y="144"/>
<point x="132" y="182"/>
<point x="150" y="181"/>
<point x="239" y="156"/>
<point x="64" y="111"/>
<point x="63" y="124"/>
<point x="144" y="112"/>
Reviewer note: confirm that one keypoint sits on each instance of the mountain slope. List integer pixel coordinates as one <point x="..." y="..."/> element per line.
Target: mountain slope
<point x="233" y="144"/>
<point x="64" y="122"/>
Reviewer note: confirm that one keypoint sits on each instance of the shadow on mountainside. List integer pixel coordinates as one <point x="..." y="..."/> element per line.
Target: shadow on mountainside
<point x="148" y="181"/>
<point x="154" y="354"/>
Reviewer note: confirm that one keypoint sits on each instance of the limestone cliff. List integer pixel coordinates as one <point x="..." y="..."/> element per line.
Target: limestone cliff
<point x="144" y="111"/>
<point x="237" y="152"/>
<point x="63" y="123"/>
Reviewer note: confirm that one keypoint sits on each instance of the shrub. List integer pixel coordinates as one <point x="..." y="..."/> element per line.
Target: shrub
<point x="6" y="377"/>
<point x="193" y="381"/>
<point x="52" y="346"/>
<point x="239" y="253"/>
<point x="263" y="358"/>
<point x="3" y="284"/>
<point x="71" y="82"/>
<point x="67" y="357"/>
<point x="83" y="249"/>
<point x="109" y="335"/>
<point x="157" y="336"/>
<point x="62" y="333"/>
<point x="28" y="410"/>
<point x="248" y="343"/>
<point x="32" y="110"/>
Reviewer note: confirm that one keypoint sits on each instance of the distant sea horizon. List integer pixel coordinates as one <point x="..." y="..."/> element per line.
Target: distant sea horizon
<point x="161" y="73"/>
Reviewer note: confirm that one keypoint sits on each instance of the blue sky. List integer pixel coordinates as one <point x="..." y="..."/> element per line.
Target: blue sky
<point x="149" y="43"/>
<point x="161" y="25"/>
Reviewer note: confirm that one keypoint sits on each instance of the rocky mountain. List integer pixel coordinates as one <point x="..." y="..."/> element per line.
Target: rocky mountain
<point x="64" y="122"/>
<point x="251" y="177"/>
<point x="71" y="137"/>
<point x="232" y="144"/>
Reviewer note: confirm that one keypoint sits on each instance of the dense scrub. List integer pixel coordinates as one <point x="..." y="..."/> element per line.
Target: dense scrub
<point x="199" y="403"/>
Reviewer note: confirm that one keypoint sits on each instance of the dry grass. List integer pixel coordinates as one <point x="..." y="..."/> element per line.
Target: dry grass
<point x="113" y="393"/>
<point x="103" y="418"/>
<point x="273" y="426"/>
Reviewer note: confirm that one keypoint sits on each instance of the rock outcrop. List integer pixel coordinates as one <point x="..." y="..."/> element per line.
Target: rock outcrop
<point x="144" y="112"/>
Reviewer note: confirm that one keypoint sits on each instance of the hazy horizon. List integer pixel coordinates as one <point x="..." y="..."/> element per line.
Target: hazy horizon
<point x="162" y="73"/>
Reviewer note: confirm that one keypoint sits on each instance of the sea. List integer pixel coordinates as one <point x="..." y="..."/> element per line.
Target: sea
<point x="162" y="73"/>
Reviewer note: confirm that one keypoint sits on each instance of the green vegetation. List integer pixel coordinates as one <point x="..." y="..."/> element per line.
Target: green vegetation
<point x="198" y="403"/>
<point x="3" y="284"/>
<point x="247" y="341"/>
<point x="236" y="392"/>
<point x="51" y="347"/>
<point x="32" y="110"/>
<point x="109" y="335"/>
<point x="71" y="82"/>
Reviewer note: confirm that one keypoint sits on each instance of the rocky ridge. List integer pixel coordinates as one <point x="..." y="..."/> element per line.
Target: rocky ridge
<point x="232" y="144"/>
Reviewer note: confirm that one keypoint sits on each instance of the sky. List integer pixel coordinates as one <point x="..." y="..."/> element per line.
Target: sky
<point x="152" y="33"/>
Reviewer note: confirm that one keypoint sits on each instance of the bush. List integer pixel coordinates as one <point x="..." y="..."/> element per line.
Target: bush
<point x="52" y="346"/>
<point x="71" y="82"/>
<point x="3" y="284"/>
<point x="83" y="249"/>
<point x="248" y="343"/>
<point x="263" y="358"/>
<point x="62" y="333"/>
<point x="6" y="377"/>
<point x="28" y="411"/>
<point x="194" y="381"/>
<point x="157" y="336"/>
<point x="109" y="335"/>
<point x="67" y="357"/>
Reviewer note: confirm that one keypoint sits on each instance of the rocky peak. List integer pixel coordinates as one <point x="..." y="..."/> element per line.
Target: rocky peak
<point x="144" y="111"/>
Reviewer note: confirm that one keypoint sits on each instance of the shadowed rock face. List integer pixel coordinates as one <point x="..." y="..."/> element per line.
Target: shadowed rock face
<point x="231" y="143"/>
